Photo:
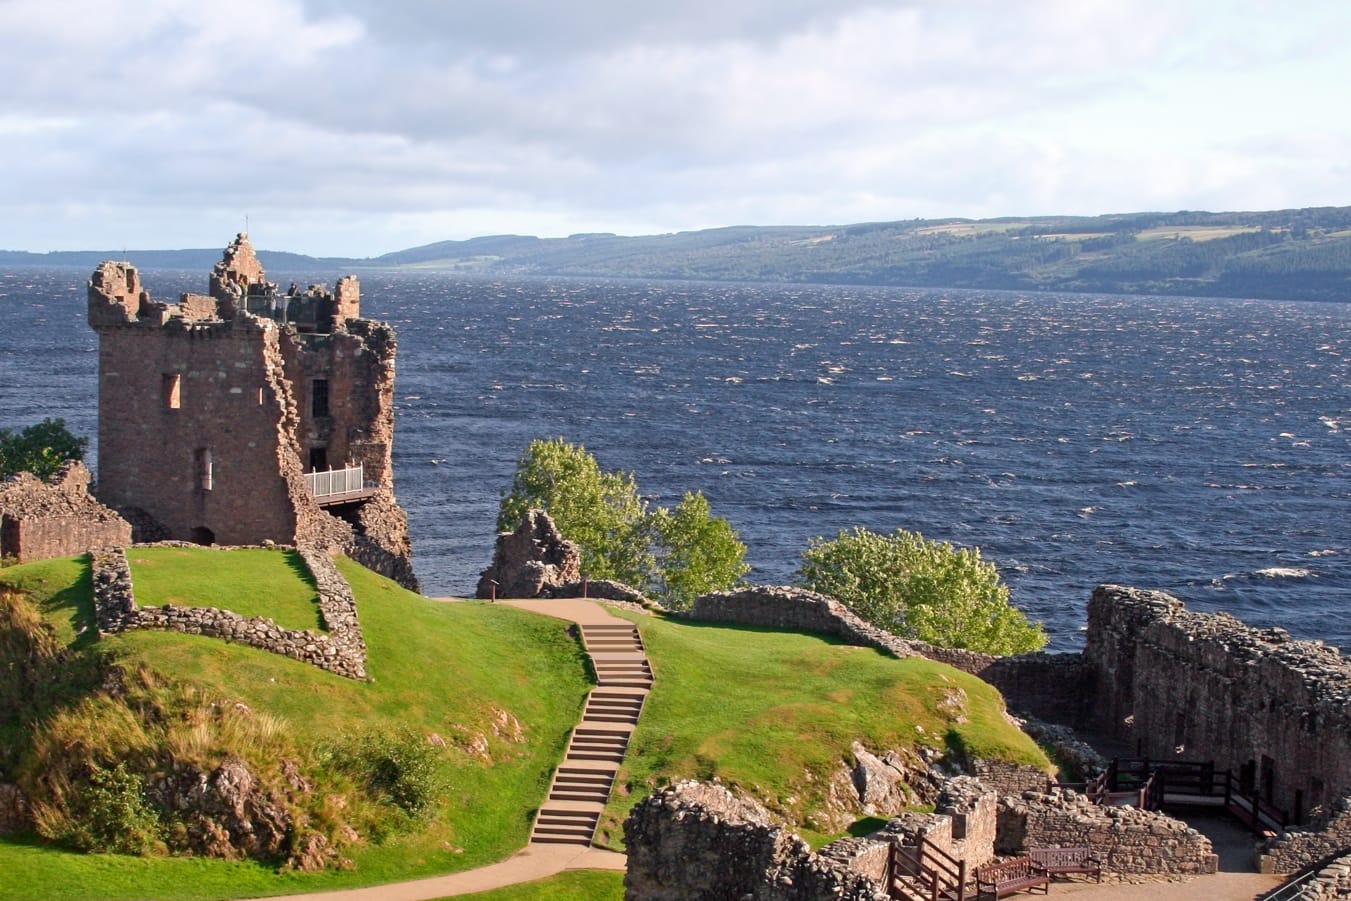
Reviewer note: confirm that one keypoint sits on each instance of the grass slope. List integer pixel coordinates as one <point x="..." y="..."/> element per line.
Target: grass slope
<point x="574" y="885"/>
<point x="777" y="713"/>
<point x="449" y="669"/>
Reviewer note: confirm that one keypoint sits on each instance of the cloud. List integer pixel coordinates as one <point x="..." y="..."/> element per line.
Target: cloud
<point x="393" y="120"/>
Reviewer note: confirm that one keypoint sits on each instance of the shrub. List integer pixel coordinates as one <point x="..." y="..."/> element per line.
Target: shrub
<point x="110" y="814"/>
<point x="675" y="555"/>
<point x="400" y="768"/>
<point x="42" y="449"/>
<point x="915" y="588"/>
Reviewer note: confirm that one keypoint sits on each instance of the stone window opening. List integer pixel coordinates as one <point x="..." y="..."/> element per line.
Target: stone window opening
<point x="319" y="398"/>
<point x="202" y="465"/>
<point x="172" y="387"/>
<point x="318" y="459"/>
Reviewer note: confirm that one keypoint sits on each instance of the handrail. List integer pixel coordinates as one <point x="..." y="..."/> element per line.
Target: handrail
<point x="336" y="481"/>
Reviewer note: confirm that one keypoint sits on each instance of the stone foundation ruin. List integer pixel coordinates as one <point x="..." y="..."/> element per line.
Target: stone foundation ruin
<point x="340" y="650"/>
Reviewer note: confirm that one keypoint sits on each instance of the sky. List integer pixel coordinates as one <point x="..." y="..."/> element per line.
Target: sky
<point x="359" y="127"/>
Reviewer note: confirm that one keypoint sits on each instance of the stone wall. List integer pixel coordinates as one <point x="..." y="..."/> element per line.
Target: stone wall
<point x="784" y="607"/>
<point x="1293" y="849"/>
<point x="1130" y="841"/>
<point x="1274" y="711"/>
<point x="696" y="840"/>
<point x="40" y="520"/>
<point x="1054" y="687"/>
<point x="963" y="824"/>
<point x="340" y="650"/>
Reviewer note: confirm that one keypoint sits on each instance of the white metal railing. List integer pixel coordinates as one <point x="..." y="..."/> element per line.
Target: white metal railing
<point x="336" y="481"/>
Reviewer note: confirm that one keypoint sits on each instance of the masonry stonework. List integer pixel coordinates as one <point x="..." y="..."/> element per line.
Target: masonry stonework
<point x="213" y="410"/>
<point x="40" y="520"/>
<point x="1274" y="711"/>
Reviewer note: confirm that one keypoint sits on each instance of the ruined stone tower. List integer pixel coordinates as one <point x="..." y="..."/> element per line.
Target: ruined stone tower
<point x="248" y="414"/>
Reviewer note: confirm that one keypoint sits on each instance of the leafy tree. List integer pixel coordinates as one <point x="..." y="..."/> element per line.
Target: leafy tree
<point x="42" y="449"/>
<point x="696" y="552"/>
<point x="601" y="511"/>
<point x="674" y="555"/>
<point x="915" y="588"/>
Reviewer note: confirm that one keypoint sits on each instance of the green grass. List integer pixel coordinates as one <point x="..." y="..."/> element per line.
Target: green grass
<point x="573" y="885"/>
<point x="249" y="581"/>
<point x="63" y="590"/>
<point x="449" y="669"/>
<point x="776" y="713"/>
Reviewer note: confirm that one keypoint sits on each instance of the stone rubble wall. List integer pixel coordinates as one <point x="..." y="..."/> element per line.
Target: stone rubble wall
<point x="785" y="607"/>
<point x="1296" y="848"/>
<point x="697" y="840"/>
<point x="1332" y="883"/>
<point x="1130" y="841"/>
<point x="963" y="824"/>
<point x="341" y="650"/>
<point x="41" y="520"/>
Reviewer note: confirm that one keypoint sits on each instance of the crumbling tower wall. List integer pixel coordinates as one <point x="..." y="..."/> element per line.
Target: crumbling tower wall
<point x="212" y="410"/>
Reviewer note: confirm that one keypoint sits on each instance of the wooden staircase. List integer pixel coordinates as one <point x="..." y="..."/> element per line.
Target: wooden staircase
<point x="582" y="782"/>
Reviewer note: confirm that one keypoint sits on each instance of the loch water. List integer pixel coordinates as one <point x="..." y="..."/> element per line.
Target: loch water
<point x="1199" y="446"/>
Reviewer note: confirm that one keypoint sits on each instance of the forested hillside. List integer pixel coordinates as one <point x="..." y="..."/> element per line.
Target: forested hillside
<point x="1294" y="254"/>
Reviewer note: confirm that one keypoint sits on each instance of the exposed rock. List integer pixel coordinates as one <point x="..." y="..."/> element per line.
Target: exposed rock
<point x="530" y="560"/>
<point x="225" y="813"/>
<point x="884" y="784"/>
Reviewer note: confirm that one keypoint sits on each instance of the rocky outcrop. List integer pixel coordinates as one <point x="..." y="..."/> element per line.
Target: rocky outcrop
<point x="697" y="840"/>
<point x="1129" y="840"/>
<point x="530" y="561"/>
<point x="340" y="650"/>
<point x="40" y="520"/>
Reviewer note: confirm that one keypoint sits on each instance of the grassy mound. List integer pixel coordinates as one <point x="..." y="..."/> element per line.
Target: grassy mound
<point x="776" y="713"/>
<point x="273" y="584"/>
<point x="500" y="689"/>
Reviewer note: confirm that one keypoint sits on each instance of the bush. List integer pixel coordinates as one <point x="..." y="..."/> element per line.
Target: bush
<point x="41" y="449"/>
<point x="673" y="555"/>
<point x="109" y="815"/>
<point x="920" y="589"/>
<point x="400" y="768"/>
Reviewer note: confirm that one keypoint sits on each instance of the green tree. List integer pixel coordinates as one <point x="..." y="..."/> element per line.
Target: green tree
<point x="674" y="555"/>
<point x="696" y="552"/>
<point x="42" y="449"/>
<point x="915" y="588"/>
<point x="601" y="511"/>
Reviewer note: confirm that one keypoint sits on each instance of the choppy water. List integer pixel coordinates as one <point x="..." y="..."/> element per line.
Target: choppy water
<point x="1198" y="446"/>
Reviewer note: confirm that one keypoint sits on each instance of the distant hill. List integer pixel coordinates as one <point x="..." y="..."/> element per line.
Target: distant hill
<point x="1302" y="254"/>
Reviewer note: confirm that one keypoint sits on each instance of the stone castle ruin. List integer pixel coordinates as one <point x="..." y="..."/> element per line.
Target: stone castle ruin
<point x="248" y="414"/>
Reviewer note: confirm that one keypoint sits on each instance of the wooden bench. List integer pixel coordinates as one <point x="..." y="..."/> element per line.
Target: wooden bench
<point x="999" y="880"/>
<point x="1068" y="860"/>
